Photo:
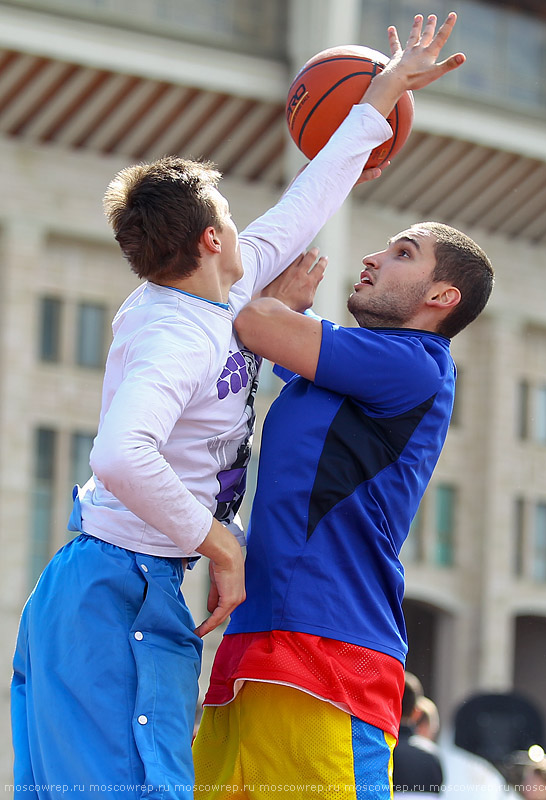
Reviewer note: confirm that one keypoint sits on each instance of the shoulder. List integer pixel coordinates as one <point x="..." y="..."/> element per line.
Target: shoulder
<point x="371" y="363"/>
<point x="170" y="335"/>
<point x="425" y="745"/>
<point x="168" y="351"/>
<point x="393" y="340"/>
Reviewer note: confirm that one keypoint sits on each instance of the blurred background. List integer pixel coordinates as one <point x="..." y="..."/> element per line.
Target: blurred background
<point x="89" y="86"/>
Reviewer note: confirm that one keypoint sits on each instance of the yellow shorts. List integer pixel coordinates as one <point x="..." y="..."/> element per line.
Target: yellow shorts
<point x="276" y="741"/>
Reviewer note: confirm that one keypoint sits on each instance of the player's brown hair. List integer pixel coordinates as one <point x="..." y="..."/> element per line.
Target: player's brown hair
<point x="158" y="212"/>
<point x="413" y="688"/>
<point x="463" y="263"/>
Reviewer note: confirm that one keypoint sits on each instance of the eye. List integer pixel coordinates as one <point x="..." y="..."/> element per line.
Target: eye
<point x="404" y="252"/>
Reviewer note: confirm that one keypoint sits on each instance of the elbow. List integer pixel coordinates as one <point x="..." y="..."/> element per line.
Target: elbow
<point x="109" y="465"/>
<point x="251" y="321"/>
<point x="102" y="467"/>
<point x="244" y="323"/>
<point x="123" y="460"/>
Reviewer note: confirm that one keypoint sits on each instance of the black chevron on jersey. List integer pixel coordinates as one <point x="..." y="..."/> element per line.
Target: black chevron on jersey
<point x="357" y="447"/>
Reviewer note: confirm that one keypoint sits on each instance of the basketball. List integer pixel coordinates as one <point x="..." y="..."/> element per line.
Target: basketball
<point x="326" y="88"/>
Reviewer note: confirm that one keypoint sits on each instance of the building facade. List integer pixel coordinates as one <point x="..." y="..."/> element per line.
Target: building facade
<point x="87" y="88"/>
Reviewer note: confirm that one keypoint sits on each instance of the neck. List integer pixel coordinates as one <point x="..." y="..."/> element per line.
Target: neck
<point x="208" y="287"/>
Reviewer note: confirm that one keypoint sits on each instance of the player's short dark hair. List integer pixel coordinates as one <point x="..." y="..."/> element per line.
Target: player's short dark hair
<point x="463" y="263"/>
<point x="413" y="688"/>
<point x="158" y="212"/>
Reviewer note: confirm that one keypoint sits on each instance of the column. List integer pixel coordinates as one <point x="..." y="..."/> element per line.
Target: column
<point x="315" y="25"/>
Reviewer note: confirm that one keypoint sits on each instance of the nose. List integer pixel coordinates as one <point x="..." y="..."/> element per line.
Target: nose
<point x="371" y="261"/>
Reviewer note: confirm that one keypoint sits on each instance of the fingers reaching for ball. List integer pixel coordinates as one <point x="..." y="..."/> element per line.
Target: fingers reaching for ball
<point x="416" y="65"/>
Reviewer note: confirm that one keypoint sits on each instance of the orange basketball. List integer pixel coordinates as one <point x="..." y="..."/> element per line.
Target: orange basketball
<point x="326" y="88"/>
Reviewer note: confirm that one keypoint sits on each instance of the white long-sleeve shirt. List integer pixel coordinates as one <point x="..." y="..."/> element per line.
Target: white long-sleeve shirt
<point x="177" y="405"/>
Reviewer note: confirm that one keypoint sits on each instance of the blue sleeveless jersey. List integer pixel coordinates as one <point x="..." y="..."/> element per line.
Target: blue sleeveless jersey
<point x="344" y="463"/>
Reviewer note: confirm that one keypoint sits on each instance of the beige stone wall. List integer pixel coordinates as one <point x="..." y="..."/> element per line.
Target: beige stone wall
<point x="53" y="239"/>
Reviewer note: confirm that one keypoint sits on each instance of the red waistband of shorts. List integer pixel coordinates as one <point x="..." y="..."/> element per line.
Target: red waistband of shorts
<point x="364" y="682"/>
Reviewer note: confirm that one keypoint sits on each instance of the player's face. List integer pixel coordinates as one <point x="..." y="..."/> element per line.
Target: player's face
<point x="229" y="237"/>
<point x="394" y="282"/>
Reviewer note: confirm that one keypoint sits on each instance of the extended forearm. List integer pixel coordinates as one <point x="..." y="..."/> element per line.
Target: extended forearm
<point x="274" y="331"/>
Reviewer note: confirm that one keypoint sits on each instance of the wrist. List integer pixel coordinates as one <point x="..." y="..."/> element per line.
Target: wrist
<point x="385" y="90"/>
<point x="288" y="301"/>
<point x="220" y="545"/>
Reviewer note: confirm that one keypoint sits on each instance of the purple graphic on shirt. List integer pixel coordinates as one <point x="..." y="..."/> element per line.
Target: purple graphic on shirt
<point x="234" y="486"/>
<point x="241" y="371"/>
<point x="234" y="376"/>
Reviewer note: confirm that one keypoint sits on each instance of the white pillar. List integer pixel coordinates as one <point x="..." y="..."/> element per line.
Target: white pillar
<point x="496" y="642"/>
<point x="20" y="250"/>
<point x="315" y="25"/>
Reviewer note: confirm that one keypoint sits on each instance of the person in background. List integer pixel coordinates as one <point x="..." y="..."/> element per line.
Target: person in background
<point x="427" y="719"/>
<point x="417" y="767"/>
<point x="533" y="781"/>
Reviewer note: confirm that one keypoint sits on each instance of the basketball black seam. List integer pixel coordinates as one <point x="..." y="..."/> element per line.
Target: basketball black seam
<point x="375" y="65"/>
<point x="325" y="95"/>
<point x="395" y="135"/>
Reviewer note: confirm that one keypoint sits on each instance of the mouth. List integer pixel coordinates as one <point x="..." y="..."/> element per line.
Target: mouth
<point x="365" y="280"/>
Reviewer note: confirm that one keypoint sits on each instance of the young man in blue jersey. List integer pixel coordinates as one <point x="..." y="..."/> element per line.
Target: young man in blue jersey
<point x="348" y="449"/>
<point x="305" y="694"/>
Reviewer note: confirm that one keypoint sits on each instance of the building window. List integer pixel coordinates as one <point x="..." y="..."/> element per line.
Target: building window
<point x="91" y="335"/>
<point x="445" y="525"/>
<point x="539" y="559"/>
<point x="522" y="420"/>
<point x="540" y="414"/>
<point x="270" y="384"/>
<point x="80" y="471"/>
<point x="413" y="547"/>
<point x="49" y="344"/>
<point x="45" y="446"/>
<point x="249" y="26"/>
<point x="519" y="536"/>
<point x="456" y="413"/>
<point x="504" y="47"/>
<point x="251" y="481"/>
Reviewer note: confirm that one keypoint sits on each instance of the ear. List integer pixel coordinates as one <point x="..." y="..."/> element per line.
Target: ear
<point x="210" y="241"/>
<point x="444" y="297"/>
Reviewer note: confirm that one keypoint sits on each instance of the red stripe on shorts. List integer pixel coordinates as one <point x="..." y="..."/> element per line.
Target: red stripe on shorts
<point x="364" y="682"/>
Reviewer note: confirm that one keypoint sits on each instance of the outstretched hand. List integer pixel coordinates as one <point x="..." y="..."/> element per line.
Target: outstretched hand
<point x="418" y="58"/>
<point x="297" y="285"/>
<point x="415" y="65"/>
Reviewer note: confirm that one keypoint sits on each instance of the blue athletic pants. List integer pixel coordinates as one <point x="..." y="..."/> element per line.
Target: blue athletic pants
<point x="105" y="678"/>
